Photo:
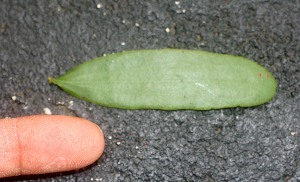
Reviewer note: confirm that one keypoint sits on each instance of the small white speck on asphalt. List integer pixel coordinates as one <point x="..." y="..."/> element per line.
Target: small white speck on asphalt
<point x="14" y="98"/>
<point x="99" y="5"/>
<point x="71" y="103"/>
<point x="47" y="111"/>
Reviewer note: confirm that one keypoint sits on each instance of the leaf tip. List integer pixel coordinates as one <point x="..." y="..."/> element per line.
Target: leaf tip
<point x="50" y="79"/>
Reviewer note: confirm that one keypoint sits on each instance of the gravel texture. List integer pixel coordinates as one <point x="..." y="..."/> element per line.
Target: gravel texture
<point x="47" y="38"/>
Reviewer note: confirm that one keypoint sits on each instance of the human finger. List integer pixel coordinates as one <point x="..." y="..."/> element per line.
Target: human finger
<point x="45" y="144"/>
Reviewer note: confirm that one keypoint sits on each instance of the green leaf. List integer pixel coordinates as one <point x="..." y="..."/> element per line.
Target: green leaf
<point x="170" y="79"/>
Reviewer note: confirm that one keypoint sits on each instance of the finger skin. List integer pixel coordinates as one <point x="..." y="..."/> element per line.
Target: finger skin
<point x="45" y="144"/>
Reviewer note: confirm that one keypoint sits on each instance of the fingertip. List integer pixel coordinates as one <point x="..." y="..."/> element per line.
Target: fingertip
<point x="47" y="144"/>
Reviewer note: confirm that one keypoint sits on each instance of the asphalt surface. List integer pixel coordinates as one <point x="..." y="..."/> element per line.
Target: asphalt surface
<point x="47" y="38"/>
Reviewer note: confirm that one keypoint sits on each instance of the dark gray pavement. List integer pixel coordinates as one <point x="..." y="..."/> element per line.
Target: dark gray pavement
<point x="46" y="38"/>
